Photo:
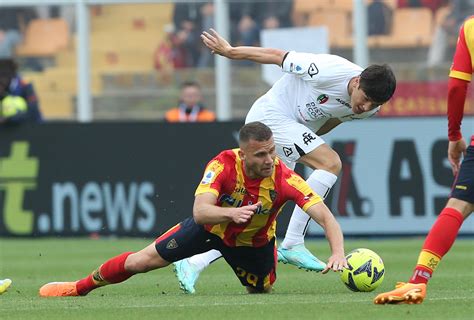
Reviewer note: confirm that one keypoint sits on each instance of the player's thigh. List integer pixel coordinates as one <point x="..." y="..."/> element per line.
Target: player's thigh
<point x="293" y="140"/>
<point x="324" y="158"/>
<point x="255" y="267"/>
<point x="462" y="193"/>
<point x="184" y="240"/>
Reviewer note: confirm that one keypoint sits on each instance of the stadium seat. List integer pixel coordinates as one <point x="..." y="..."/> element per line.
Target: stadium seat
<point x="44" y="37"/>
<point x="56" y="105"/>
<point x="338" y="23"/>
<point x="412" y="27"/>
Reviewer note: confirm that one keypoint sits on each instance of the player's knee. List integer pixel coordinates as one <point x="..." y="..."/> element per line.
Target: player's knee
<point x="331" y="164"/>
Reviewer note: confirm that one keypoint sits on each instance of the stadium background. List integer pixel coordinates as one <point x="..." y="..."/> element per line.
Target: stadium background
<point x="105" y="174"/>
<point x="105" y="162"/>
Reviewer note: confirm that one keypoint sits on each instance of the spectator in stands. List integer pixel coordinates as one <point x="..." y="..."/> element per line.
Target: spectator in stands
<point x="172" y="53"/>
<point x="448" y="29"/>
<point x="190" y="108"/>
<point x="187" y="21"/>
<point x="13" y="22"/>
<point x="249" y="18"/>
<point x="18" y="101"/>
<point x="379" y="18"/>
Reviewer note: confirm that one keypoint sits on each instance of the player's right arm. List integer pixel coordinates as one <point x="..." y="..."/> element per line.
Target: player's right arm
<point x="459" y="78"/>
<point x="218" y="45"/>
<point x="205" y="211"/>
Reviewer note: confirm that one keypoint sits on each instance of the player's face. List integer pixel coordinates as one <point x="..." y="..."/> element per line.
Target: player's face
<point x="259" y="158"/>
<point x="360" y="102"/>
<point x="191" y="95"/>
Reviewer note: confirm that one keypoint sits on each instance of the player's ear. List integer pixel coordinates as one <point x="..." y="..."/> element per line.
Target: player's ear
<point x="241" y="154"/>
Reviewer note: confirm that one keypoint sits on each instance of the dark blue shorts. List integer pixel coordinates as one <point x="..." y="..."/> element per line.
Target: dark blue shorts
<point x="463" y="187"/>
<point x="255" y="267"/>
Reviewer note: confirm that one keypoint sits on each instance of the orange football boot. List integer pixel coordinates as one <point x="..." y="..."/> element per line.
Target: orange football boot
<point x="59" y="289"/>
<point x="410" y="293"/>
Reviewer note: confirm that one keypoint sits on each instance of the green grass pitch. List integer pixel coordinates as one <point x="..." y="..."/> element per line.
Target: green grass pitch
<point x="155" y="295"/>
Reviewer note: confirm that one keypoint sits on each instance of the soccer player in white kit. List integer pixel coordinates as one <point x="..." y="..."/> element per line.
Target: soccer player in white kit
<point x="317" y="93"/>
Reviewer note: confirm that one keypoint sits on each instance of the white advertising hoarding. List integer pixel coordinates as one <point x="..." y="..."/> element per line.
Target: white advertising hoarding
<point x="396" y="176"/>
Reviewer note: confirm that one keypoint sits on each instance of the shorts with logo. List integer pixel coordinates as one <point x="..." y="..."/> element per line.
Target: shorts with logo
<point x="463" y="187"/>
<point x="292" y="139"/>
<point x="255" y="267"/>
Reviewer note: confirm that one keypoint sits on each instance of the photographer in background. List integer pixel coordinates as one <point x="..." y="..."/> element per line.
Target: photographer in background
<point x="18" y="101"/>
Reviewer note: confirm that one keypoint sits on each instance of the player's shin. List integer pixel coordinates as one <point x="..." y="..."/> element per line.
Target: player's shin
<point x="112" y="271"/>
<point x="438" y="242"/>
<point x="321" y="182"/>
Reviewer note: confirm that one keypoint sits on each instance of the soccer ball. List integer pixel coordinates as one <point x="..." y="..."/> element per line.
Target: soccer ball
<point x="366" y="270"/>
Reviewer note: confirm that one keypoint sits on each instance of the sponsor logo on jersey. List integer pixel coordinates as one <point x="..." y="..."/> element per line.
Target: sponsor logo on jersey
<point x="313" y="112"/>
<point x="344" y="103"/>
<point x="313" y="70"/>
<point x="323" y="98"/>
<point x="287" y="151"/>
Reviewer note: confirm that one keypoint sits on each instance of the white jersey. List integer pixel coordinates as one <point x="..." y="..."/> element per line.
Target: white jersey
<point x="315" y="89"/>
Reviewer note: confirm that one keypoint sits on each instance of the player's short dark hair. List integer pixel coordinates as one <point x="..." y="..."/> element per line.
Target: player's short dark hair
<point x="254" y="131"/>
<point x="378" y="82"/>
<point x="186" y="84"/>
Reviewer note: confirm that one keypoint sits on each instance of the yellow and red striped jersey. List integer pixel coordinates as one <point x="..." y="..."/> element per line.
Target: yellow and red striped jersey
<point x="225" y="177"/>
<point x="463" y="65"/>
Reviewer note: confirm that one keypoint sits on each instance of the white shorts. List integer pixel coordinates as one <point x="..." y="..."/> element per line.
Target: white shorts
<point x="292" y="139"/>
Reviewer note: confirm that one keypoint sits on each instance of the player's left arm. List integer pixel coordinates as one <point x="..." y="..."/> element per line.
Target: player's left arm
<point x="320" y="213"/>
<point x="328" y="126"/>
<point x="218" y="45"/>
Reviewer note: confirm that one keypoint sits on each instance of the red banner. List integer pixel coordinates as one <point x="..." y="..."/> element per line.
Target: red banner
<point x="422" y="99"/>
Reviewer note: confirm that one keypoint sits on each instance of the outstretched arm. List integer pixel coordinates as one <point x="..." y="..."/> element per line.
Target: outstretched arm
<point x="218" y="45"/>
<point x="205" y="211"/>
<point x="323" y="216"/>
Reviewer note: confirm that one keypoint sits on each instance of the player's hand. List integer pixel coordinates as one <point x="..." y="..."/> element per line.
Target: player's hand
<point x="215" y="42"/>
<point x="456" y="149"/>
<point x="336" y="262"/>
<point x="245" y="213"/>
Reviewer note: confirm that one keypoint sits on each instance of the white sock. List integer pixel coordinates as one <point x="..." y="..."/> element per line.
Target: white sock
<point x="201" y="261"/>
<point x="321" y="182"/>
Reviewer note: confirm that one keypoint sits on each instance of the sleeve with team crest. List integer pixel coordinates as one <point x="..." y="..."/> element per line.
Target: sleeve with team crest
<point x="212" y="178"/>
<point x="300" y="192"/>
<point x="319" y="69"/>
<point x="302" y="65"/>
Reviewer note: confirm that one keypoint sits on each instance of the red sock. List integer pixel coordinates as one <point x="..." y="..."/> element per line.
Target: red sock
<point x="112" y="271"/>
<point x="438" y="242"/>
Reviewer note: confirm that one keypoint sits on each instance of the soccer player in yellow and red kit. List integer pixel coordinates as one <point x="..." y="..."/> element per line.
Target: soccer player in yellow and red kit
<point x="461" y="202"/>
<point x="235" y="207"/>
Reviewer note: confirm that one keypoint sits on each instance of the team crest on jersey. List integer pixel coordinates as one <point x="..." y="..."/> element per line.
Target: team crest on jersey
<point x="172" y="244"/>
<point x="313" y="70"/>
<point x="273" y="194"/>
<point x="323" y="98"/>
